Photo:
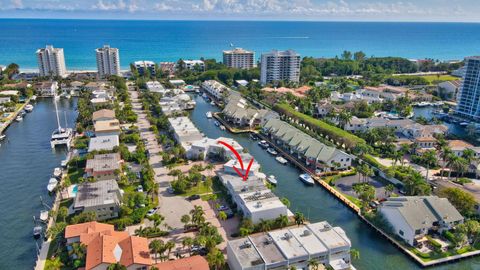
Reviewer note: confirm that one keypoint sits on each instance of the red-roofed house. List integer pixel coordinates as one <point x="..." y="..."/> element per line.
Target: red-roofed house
<point x="190" y="263"/>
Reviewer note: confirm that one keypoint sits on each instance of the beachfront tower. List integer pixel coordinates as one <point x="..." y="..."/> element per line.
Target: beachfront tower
<point x="51" y="62"/>
<point x="468" y="98"/>
<point x="280" y="66"/>
<point x="239" y="58"/>
<point x="108" y="61"/>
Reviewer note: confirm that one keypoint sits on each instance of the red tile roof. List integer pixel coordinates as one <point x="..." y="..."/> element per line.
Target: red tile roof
<point x="190" y="263"/>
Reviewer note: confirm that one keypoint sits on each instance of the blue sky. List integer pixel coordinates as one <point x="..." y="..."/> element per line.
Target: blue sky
<point x="320" y="10"/>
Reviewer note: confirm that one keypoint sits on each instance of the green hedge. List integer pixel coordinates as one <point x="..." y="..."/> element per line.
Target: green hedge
<point x="337" y="134"/>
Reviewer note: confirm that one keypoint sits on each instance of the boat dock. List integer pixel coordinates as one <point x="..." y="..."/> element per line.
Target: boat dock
<point x="12" y="117"/>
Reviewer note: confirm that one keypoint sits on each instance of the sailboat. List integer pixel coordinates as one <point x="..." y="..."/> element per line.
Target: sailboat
<point x="61" y="136"/>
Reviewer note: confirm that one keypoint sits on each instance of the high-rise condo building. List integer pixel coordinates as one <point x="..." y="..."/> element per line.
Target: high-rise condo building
<point x="468" y="98"/>
<point x="280" y="66"/>
<point x="108" y="61"/>
<point x="239" y="58"/>
<point x="51" y="62"/>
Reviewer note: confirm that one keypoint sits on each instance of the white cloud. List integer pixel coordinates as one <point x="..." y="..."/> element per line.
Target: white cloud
<point x="17" y="4"/>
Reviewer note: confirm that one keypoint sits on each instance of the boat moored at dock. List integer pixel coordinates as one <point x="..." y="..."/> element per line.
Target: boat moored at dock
<point x="272" y="180"/>
<point x="307" y="179"/>
<point x="281" y="160"/>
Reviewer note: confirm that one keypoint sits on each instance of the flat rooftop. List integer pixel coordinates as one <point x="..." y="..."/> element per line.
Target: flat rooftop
<point x="103" y="143"/>
<point x="309" y="240"/>
<point x="97" y="194"/>
<point x="253" y="183"/>
<point x="267" y="249"/>
<point x="246" y="253"/>
<point x="261" y="200"/>
<point x="290" y="247"/>
<point x="331" y="237"/>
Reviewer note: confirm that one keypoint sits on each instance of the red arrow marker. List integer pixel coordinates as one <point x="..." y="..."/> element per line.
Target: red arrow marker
<point x="239" y="158"/>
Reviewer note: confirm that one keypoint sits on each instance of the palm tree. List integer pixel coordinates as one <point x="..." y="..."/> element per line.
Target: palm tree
<point x="222" y="215"/>
<point x="140" y="231"/>
<point x="313" y="264"/>
<point x="389" y="189"/>
<point x="156" y="247"/>
<point x="344" y="118"/>
<point x="445" y="154"/>
<point x="460" y="165"/>
<point x="355" y="254"/>
<point x="79" y="250"/>
<point x="185" y="219"/>
<point x="430" y="159"/>
<point x="116" y="266"/>
<point x="299" y="218"/>
<point x="264" y="225"/>
<point x="188" y="242"/>
<point x="169" y="246"/>
<point x="215" y="258"/>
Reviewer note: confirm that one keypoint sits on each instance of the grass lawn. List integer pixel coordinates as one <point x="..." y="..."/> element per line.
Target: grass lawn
<point x="74" y="174"/>
<point x="199" y="189"/>
<point x="432" y="78"/>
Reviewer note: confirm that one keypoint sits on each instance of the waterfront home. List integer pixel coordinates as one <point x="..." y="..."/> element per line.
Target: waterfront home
<point x="359" y="95"/>
<point x="176" y="103"/>
<point x="103" y="115"/>
<point x="104" y="166"/>
<point x="195" y="262"/>
<point x="300" y="92"/>
<point x="292" y="247"/>
<point x="46" y="89"/>
<point x="184" y="131"/>
<point x="11" y="93"/>
<point x="417" y="130"/>
<point x="216" y="89"/>
<point x="106" y="128"/>
<point x="193" y="64"/>
<point x="155" y="87"/>
<point x="102" y="197"/>
<point x="458" y="146"/>
<point x="412" y="217"/>
<point x="260" y="205"/>
<point x="105" y="246"/>
<point x="426" y="142"/>
<point x="305" y="148"/>
<point x="323" y="108"/>
<point x="4" y="100"/>
<point x="387" y="92"/>
<point x="103" y="143"/>
<point x="238" y="113"/>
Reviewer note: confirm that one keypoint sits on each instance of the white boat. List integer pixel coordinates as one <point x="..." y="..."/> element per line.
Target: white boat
<point x="271" y="179"/>
<point x="57" y="172"/>
<point x="19" y="118"/>
<point x="33" y="98"/>
<point x="222" y="127"/>
<point x="37" y="231"/>
<point x="216" y="123"/>
<point x="61" y="136"/>
<point x="44" y="215"/>
<point x="306" y="178"/>
<point x="52" y="183"/>
<point x="3" y="136"/>
<point x="209" y="114"/>
<point x="29" y="108"/>
<point x="263" y="144"/>
<point x="64" y="163"/>
<point x="281" y="160"/>
<point x="212" y="103"/>
<point x="204" y="96"/>
<point x="464" y="124"/>
<point x="272" y="151"/>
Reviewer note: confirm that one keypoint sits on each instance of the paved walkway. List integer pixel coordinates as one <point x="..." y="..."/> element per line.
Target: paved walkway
<point x="170" y="206"/>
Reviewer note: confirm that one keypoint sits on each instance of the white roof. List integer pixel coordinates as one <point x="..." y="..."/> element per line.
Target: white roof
<point x="107" y="142"/>
<point x="331" y="237"/>
<point x="309" y="240"/>
<point x="288" y="244"/>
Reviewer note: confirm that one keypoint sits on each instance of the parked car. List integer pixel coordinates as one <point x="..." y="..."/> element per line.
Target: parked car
<point x="170" y="190"/>
<point x="198" y="250"/>
<point x="139" y="188"/>
<point x="152" y="211"/>
<point x="223" y="208"/>
<point x="193" y="197"/>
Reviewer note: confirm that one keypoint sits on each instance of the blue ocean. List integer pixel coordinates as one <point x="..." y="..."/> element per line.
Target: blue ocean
<point x="171" y="40"/>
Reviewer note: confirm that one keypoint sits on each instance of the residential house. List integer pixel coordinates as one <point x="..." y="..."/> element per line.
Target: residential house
<point x="47" y="89"/>
<point x="193" y="65"/>
<point x="105" y="246"/>
<point x="103" y="115"/>
<point x="168" y="67"/>
<point x="103" y="143"/>
<point x="108" y="127"/>
<point x="412" y="217"/>
<point x="104" y="166"/>
<point x="102" y="197"/>
<point x="195" y="262"/>
<point x="155" y="87"/>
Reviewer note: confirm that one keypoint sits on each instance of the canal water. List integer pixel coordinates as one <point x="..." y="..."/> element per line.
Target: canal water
<point x="317" y="204"/>
<point x="427" y="112"/>
<point x="26" y="163"/>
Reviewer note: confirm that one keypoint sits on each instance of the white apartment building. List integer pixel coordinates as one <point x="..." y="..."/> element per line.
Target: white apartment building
<point x="191" y="64"/>
<point x="468" y="98"/>
<point x="286" y="248"/>
<point x="215" y="89"/>
<point x="239" y="58"/>
<point x="108" y="61"/>
<point x="143" y="66"/>
<point x="51" y="62"/>
<point x="280" y="66"/>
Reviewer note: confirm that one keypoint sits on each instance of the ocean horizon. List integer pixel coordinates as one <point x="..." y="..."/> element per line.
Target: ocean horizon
<point x="170" y="40"/>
